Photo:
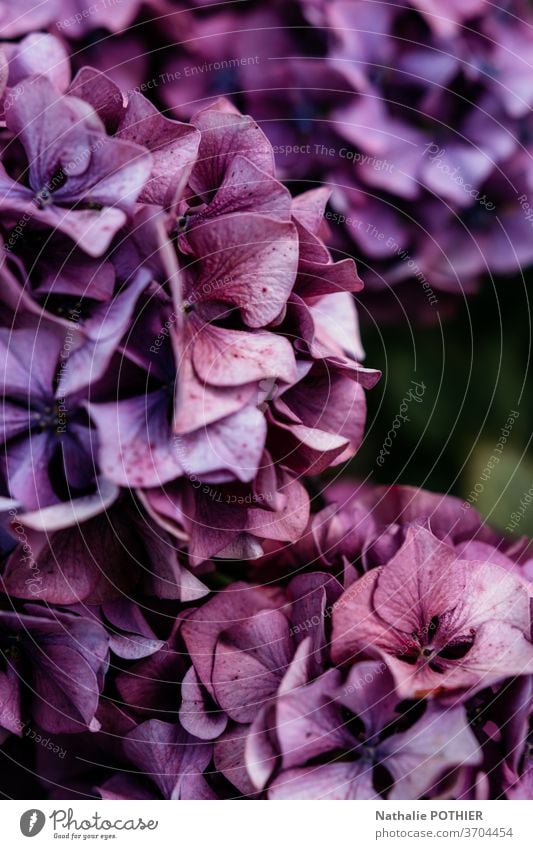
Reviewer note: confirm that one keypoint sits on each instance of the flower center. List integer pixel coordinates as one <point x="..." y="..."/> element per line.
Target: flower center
<point x="429" y="648"/>
<point x="44" y="196"/>
<point x="50" y="417"/>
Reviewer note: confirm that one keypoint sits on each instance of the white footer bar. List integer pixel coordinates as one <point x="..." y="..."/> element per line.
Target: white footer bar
<point x="272" y="825"/>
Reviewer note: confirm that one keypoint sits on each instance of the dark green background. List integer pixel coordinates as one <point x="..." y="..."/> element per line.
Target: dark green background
<point x="475" y="367"/>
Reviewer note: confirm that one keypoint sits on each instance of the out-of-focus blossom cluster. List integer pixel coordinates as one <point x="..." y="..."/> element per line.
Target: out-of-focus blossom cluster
<point x="393" y="660"/>
<point x="418" y="114"/>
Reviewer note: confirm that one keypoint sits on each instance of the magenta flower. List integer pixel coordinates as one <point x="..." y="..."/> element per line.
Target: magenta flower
<point x="442" y="625"/>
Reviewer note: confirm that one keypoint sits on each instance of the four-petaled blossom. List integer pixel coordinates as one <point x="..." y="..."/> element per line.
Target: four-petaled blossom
<point x="443" y="625"/>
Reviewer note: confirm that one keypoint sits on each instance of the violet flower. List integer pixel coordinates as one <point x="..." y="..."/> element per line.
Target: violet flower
<point x="169" y="758"/>
<point x="354" y="741"/>
<point x="77" y="178"/>
<point x="54" y="663"/>
<point x="42" y="427"/>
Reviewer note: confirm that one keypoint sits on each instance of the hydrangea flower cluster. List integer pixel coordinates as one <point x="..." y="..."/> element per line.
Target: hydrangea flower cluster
<point x="173" y="322"/>
<point x="395" y="105"/>
<point x="394" y="663"/>
<point x="180" y="356"/>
